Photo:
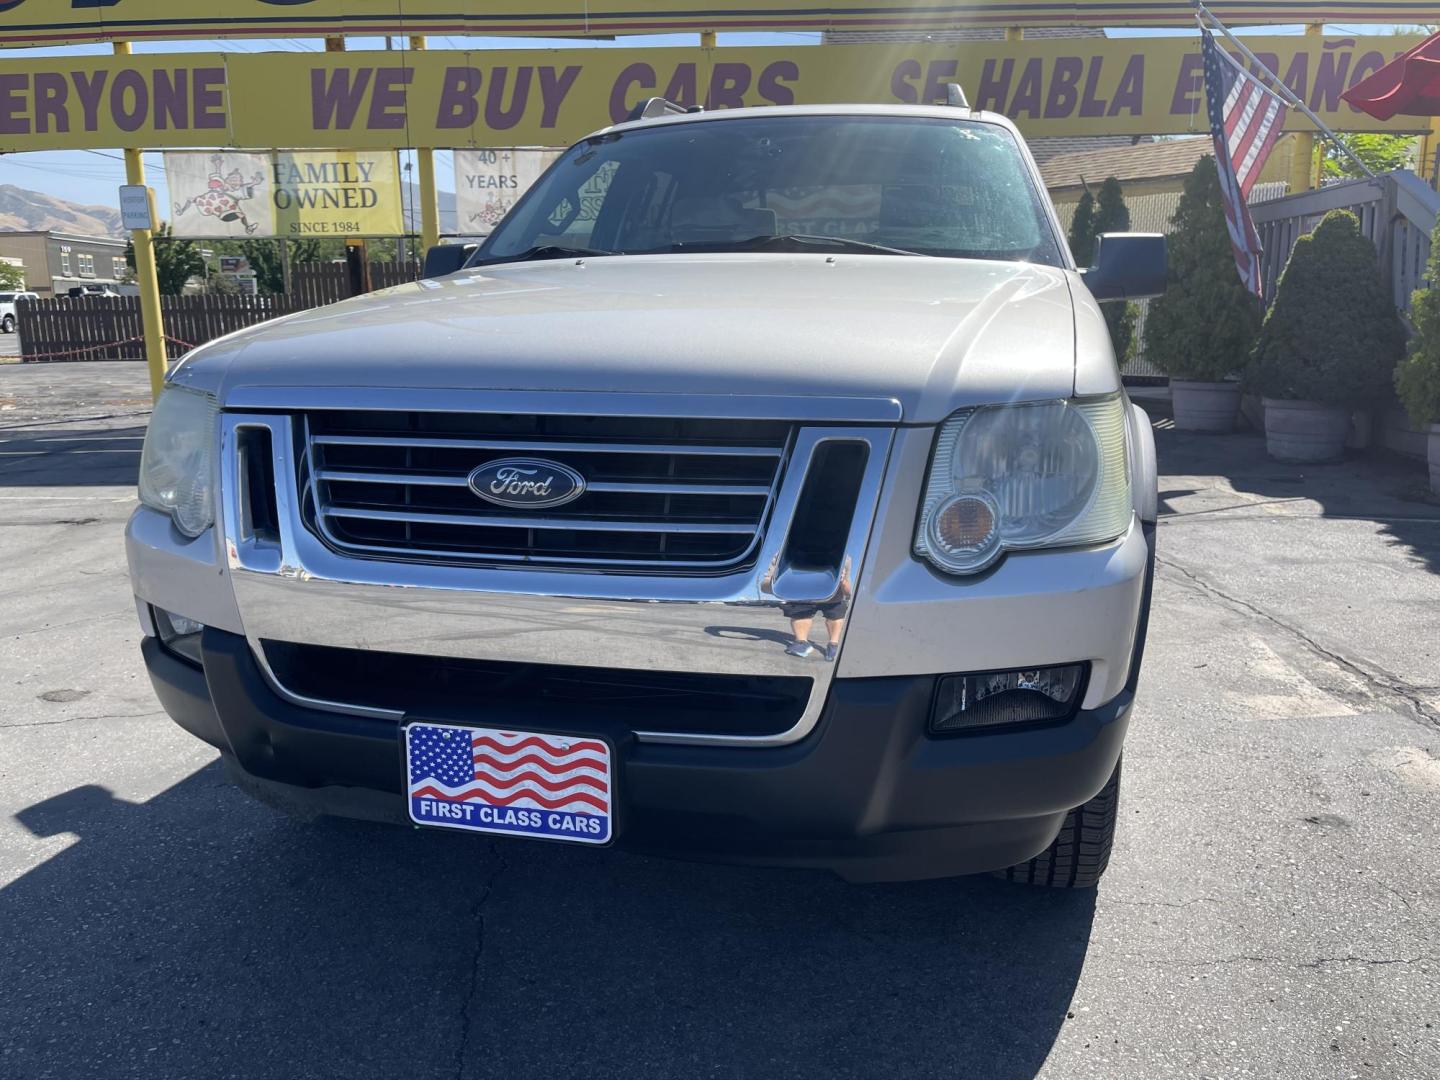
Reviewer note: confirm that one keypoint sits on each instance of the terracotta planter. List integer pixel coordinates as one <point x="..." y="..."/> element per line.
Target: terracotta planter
<point x="1433" y="457"/>
<point x="1204" y="406"/>
<point x="1304" y="431"/>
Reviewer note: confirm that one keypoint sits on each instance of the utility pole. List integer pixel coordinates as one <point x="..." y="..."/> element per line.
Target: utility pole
<point x="151" y="317"/>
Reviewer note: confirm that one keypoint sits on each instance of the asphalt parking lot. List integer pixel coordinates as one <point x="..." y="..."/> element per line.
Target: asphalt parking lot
<point x="1271" y="910"/>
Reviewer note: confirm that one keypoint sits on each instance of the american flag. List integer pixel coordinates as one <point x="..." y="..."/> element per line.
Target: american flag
<point x="498" y="768"/>
<point x="1245" y="121"/>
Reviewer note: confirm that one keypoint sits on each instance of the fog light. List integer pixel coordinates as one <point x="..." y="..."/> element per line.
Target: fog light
<point x="179" y="634"/>
<point x="965" y="702"/>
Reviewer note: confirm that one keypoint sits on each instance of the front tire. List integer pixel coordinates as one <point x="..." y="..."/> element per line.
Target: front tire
<point x="1079" y="855"/>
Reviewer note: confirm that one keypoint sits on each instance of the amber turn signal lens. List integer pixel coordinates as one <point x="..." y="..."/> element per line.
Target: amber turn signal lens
<point x="966" y="523"/>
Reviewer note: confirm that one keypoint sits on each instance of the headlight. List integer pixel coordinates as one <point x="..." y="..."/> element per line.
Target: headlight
<point x="1008" y="477"/>
<point x="177" y="467"/>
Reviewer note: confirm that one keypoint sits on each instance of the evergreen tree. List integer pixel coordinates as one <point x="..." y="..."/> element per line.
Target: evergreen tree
<point x="176" y="261"/>
<point x="1112" y="215"/>
<point x="1091" y="220"/>
<point x="1082" y="230"/>
<point x="1417" y="380"/>
<point x="1205" y="324"/>
<point x="1332" y="335"/>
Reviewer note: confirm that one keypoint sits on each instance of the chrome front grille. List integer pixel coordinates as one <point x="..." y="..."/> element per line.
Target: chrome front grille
<point x="660" y="493"/>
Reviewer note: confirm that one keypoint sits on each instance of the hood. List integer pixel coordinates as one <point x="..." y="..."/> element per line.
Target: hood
<point x="933" y="334"/>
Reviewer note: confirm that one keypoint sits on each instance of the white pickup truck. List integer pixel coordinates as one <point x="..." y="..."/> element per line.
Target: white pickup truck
<point x="8" y="316"/>
<point x="763" y="488"/>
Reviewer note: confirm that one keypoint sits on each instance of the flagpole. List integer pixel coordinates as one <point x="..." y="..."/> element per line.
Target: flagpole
<point x="1278" y="87"/>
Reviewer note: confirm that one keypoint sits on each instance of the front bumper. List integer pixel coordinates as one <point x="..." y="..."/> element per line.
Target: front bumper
<point x="866" y="794"/>
<point x="854" y="784"/>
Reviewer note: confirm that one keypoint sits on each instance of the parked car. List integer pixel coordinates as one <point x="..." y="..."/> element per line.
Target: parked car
<point x="763" y="489"/>
<point x="7" y="308"/>
<point x="78" y="291"/>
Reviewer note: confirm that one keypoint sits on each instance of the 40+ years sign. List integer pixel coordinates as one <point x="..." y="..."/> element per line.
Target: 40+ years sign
<point x="52" y="22"/>
<point x="360" y="101"/>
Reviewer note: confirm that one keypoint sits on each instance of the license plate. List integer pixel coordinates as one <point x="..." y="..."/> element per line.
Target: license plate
<point x="516" y="783"/>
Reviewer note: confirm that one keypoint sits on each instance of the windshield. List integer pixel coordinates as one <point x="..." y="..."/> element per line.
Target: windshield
<point x="921" y="185"/>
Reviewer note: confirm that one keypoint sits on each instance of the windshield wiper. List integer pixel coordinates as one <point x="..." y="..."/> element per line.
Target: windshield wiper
<point x="545" y="251"/>
<point x="758" y="243"/>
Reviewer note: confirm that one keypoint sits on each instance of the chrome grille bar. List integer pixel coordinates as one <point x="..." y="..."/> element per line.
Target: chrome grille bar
<point x="549" y="447"/>
<point x="500" y="521"/>
<point x="662" y="494"/>
<point x="612" y="488"/>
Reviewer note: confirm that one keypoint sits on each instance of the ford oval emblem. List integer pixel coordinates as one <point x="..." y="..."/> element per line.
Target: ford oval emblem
<point x="527" y="483"/>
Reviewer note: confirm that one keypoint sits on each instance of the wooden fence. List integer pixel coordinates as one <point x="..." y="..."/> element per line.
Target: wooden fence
<point x="109" y="328"/>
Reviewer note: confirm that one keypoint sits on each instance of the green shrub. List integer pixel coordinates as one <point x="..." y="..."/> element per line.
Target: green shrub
<point x="1332" y="335"/>
<point x="1417" y="379"/>
<point x="1204" y="325"/>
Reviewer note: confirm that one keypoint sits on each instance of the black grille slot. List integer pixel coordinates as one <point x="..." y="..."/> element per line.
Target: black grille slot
<point x="660" y="493"/>
<point x="827" y="506"/>
<point x="544" y="695"/>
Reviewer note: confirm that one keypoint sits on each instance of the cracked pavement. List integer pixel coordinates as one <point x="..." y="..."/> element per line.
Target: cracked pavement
<point x="1271" y="910"/>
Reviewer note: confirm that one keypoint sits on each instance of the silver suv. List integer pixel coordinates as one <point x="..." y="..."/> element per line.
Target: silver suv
<point x="762" y="489"/>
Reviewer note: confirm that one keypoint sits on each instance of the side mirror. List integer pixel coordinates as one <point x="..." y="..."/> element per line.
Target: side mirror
<point x="445" y="259"/>
<point x="1128" y="266"/>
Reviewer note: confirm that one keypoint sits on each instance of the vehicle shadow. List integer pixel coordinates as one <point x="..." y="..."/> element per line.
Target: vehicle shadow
<point x="1369" y="486"/>
<point x="91" y="456"/>
<point x="198" y="934"/>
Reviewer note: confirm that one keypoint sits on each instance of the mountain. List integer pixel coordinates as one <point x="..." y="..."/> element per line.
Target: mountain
<point x="22" y="210"/>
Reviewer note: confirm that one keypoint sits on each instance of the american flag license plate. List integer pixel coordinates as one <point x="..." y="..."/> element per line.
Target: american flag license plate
<point x="513" y="782"/>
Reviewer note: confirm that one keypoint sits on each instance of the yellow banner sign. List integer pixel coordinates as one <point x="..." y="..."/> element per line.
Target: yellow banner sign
<point x="380" y="100"/>
<point x="53" y="22"/>
<point x="317" y="193"/>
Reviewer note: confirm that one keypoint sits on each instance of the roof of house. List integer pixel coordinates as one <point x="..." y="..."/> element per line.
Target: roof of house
<point x="1145" y="161"/>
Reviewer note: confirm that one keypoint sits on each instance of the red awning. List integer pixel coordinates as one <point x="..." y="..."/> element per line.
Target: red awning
<point x="1407" y="86"/>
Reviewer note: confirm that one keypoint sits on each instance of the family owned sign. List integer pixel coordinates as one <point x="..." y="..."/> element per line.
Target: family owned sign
<point x="550" y="97"/>
<point x="322" y="193"/>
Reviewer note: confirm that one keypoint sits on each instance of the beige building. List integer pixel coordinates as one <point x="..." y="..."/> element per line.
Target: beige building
<point x="54" y="262"/>
<point x="1152" y="176"/>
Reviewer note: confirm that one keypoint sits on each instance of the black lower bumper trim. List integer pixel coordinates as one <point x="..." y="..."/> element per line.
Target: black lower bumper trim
<point x="868" y="793"/>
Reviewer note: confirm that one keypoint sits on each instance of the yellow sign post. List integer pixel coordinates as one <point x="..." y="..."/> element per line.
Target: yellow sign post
<point x="151" y="317"/>
<point x="425" y="168"/>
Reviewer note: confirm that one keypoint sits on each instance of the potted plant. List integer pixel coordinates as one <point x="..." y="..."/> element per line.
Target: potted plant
<point x="1328" y="345"/>
<point x="1200" y="331"/>
<point x="1417" y="379"/>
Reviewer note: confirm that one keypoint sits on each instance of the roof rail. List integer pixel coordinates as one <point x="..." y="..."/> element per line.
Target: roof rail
<point x="656" y="106"/>
<point x="955" y="96"/>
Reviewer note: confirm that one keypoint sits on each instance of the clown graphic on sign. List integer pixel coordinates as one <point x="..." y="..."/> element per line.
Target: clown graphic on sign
<point x="225" y="193"/>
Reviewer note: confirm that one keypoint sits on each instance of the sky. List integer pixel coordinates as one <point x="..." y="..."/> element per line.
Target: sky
<point x="93" y="176"/>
